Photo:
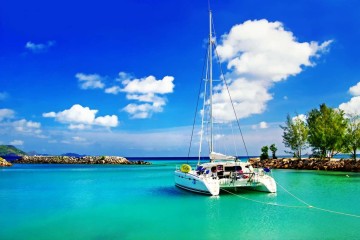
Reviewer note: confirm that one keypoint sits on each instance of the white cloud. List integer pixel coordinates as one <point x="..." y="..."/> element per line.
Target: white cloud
<point x="107" y="121"/>
<point x="6" y="114"/>
<point x="113" y="90"/>
<point x="79" y="126"/>
<point x="151" y="98"/>
<point x="218" y="136"/>
<point x="78" y="139"/>
<point x="355" y="90"/>
<point x="149" y="85"/>
<point x="265" y="49"/>
<point x="26" y="126"/>
<point x="80" y="117"/>
<point x="14" y="127"/>
<point x="301" y="117"/>
<point x="17" y="142"/>
<point x="76" y="114"/>
<point x="142" y="110"/>
<point x="124" y="76"/>
<point x="3" y="96"/>
<point x="149" y="92"/>
<point x="263" y="125"/>
<point x="39" y="47"/>
<point x="90" y="81"/>
<point x="259" y="53"/>
<point x="352" y="107"/>
<point x="49" y="114"/>
<point x="248" y="97"/>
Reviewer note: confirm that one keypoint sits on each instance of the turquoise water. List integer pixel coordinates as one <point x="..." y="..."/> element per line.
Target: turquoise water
<point x="141" y="202"/>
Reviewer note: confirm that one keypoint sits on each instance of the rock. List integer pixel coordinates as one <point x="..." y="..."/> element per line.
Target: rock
<point x="309" y="164"/>
<point x="4" y="163"/>
<point x="75" y="160"/>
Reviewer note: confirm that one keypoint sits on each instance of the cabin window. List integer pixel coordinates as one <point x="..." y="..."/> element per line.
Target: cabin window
<point x="230" y="169"/>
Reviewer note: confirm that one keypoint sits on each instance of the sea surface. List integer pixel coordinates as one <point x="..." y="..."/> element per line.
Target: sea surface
<point x="48" y="201"/>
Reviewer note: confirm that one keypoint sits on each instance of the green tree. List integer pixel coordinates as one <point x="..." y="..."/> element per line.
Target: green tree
<point x="295" y="135"/>
<point x="327" y="128"/>
<point x="264" y="153"/>
<point x="352" y="135"/>
<point x="273" y="150"/>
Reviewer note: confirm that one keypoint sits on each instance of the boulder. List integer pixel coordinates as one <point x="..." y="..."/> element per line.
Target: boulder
<point x="309" y="164"/>
<point x="4" y="163"/>
<point x="75" y="160"/>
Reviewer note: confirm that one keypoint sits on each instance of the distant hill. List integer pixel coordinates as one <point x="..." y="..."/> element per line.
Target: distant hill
<point x="34" y="153"/>
<point x="9" y="150"/>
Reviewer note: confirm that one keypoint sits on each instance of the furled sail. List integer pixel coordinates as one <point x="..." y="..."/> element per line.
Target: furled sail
<point x="220" y="156"/>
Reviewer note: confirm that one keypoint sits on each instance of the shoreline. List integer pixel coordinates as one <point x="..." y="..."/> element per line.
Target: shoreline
<point x="342" y="165"/>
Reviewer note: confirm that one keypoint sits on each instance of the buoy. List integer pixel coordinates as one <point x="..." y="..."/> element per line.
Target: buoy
<point x="185" y="168"/>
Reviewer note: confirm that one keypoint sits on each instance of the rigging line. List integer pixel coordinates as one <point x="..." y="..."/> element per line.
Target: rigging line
<point x="197" y="104"/>
<point x="232" y="104"/>
<point x="222" y="130"/>
<point x="221" y="141"/>
<point x="203" y="110"/>
<point x="234" y="138"/>
<point x="227" y="88"/>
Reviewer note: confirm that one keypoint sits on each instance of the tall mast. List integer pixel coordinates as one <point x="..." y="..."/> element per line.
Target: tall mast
<point x="211" y="84"/>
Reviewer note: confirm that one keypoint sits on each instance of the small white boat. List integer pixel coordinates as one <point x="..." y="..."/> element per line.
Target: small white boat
<point x="222" y="171"/>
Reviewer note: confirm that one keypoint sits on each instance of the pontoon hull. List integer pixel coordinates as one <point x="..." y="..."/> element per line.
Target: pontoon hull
<point x="198" y="184"/>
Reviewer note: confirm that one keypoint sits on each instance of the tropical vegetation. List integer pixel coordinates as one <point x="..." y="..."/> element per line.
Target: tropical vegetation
<point x="6" y="150"/>
<point x="328" y="131"/>
<point x="264" y="153"/>
<point x="273" y="150"/>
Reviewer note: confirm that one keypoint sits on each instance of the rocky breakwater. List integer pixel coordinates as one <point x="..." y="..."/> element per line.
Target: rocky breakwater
<point x="4" y="163"/>
<point x="81" y="160"/>
<point x="345" y="165"/>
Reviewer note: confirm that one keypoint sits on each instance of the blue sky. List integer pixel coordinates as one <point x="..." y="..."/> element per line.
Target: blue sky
<point x="121" y="77"/>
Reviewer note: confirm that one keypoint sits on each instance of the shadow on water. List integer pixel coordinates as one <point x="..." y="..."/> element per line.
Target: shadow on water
<point x="167" y="191"/>
<point x="175" y="192"/>
<point x="245" y="192"/>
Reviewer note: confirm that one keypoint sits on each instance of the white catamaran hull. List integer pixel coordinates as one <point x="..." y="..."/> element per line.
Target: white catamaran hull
<point x="207" y="184"/>
<point x="195" y="183"/>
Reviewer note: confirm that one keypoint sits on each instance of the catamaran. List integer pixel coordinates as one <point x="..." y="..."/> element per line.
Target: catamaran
<point x="222" y="171"/>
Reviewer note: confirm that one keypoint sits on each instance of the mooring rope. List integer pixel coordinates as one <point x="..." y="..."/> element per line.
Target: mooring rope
<point x="300" y="200"/>
<point x="307" y="205"/>
<point x="262" y="202"/>
<point x="318" y="208"/>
